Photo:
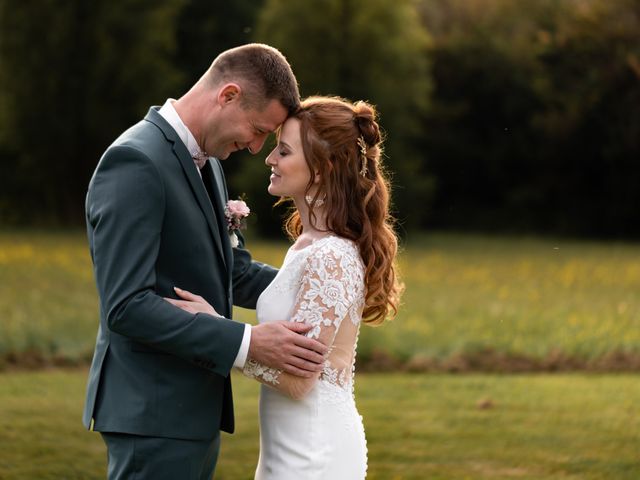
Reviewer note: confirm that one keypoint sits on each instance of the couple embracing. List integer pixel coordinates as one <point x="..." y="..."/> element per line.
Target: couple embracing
<point x="159" y="228"/>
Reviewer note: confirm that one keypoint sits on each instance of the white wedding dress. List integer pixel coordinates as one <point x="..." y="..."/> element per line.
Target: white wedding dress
<point x="310" y="429"/>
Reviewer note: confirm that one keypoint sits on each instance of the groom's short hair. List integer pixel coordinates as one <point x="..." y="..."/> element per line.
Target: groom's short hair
<point x="263" y="73"/>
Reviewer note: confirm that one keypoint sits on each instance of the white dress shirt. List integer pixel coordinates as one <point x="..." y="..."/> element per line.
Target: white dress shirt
<point x="171" y="116"/>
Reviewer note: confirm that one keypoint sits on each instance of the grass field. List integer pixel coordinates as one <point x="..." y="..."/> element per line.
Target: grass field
<point x="419" y="427"/>
<point x="471" y="303"/>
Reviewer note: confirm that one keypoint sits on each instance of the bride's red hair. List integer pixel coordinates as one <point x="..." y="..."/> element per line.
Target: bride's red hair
<point x="355" y="190"/>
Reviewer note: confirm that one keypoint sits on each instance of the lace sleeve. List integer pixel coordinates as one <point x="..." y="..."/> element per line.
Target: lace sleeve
<point x="331" y="289"/>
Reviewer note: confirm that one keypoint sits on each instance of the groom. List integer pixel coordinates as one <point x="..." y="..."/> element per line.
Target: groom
<point x="159" y="389"/>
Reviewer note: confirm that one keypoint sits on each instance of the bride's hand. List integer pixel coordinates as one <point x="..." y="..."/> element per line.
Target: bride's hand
<point x="191" y="303"/>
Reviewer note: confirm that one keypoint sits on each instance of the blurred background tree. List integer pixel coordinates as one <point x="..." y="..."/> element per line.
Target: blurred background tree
<point x="72" y="74"/>
<point x="500" y="115"/>
<point x="372" y="50"/>
<point x="535" y="124"/>
<point x="204" y="28"/>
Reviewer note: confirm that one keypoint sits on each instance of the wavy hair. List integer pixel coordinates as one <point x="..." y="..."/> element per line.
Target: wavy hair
<point x="343" y="143"/>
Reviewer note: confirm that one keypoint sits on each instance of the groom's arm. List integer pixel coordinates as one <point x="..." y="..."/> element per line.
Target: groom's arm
<point x="125" y="210"/>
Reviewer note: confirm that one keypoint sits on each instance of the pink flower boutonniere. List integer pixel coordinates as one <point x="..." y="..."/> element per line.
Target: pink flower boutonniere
<point x="236" y="212"/>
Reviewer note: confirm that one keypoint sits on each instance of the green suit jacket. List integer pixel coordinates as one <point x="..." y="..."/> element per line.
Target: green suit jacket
<point x="158" y="370"/>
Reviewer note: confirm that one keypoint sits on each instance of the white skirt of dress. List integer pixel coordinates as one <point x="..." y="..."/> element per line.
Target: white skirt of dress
<point x="317" y="438"/>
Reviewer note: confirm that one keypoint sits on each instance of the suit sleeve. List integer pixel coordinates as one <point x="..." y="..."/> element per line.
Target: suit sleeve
<point x="125" y="210"/>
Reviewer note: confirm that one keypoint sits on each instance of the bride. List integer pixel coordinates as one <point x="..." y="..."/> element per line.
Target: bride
<point x="339" y="272"/>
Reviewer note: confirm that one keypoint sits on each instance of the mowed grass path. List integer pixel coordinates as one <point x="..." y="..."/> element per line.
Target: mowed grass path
<point x="419" y="427"/>
<point x="556" y="302"/>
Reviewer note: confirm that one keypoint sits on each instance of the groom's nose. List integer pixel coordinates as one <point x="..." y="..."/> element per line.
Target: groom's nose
<point x="257" y="143"/>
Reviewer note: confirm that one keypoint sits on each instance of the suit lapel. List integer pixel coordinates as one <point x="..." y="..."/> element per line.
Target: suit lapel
<point x="221" y="197"/>
<point x="194" y="180"/>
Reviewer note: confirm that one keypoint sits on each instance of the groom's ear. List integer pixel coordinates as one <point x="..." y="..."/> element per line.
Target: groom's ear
<point x="229" y="93"/>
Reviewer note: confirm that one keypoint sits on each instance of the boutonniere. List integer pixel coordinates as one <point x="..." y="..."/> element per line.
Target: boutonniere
<point x="236" y="212"/>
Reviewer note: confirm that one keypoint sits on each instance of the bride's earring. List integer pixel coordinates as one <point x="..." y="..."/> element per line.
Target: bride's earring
<point x="318" y="203"/>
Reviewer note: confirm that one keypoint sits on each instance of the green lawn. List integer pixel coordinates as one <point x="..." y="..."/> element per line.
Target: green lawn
<point x="471" y="302"/>
<point x="419" y="426"/>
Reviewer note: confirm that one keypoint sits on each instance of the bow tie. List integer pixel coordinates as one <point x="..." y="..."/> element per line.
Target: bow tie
<point x="200" y="158"/>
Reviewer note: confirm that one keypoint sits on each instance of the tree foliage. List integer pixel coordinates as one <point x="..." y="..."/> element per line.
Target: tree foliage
<point x="536" y="120"/>
<point x="372" y="50"/>
<point x="501" y="115"/>
<point x="73" y="73"/>
<point x="205" y="28"/>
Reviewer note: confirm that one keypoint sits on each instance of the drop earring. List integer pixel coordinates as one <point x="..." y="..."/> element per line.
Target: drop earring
<point x="318" y="202"/>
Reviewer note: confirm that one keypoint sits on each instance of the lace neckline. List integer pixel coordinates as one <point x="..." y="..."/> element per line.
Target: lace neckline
<point x="313" y="242"/>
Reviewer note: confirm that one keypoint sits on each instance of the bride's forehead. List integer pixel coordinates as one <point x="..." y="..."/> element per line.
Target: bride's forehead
<point x="290" y="131"/>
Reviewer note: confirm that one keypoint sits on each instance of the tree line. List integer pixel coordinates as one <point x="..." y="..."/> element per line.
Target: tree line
<point x="499" y="115"/>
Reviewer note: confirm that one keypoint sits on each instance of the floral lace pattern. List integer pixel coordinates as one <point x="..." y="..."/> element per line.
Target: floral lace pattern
<point x="332" y="283"/>
<point x="253" y="369"/>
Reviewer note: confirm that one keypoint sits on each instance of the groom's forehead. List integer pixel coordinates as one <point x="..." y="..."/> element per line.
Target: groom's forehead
<point x="271" y="117"/>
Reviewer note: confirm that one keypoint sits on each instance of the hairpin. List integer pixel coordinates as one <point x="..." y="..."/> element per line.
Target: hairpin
<point x="363" y="153"/>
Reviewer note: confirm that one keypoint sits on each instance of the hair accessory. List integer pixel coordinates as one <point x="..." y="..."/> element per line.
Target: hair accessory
<point x="318" y="203"/>
<point x="363" y="153"/>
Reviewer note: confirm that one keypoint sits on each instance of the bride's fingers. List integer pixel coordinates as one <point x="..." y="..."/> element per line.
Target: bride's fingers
<point x="187" y="295"/>
<point x="185" y="305"/>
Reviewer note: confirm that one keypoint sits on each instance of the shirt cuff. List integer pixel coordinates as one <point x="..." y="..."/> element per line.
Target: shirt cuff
<point x="241" y="358"/>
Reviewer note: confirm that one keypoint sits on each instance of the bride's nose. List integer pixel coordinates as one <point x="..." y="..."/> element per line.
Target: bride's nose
<point x="269" y="160"/>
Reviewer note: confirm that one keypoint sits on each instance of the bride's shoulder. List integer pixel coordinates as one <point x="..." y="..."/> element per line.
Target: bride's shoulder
<point x="336" y="247"/>
<point x="337" y="259"/>
<point x="342" y="242"/>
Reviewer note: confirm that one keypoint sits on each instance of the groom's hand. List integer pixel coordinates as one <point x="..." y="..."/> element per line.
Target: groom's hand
<point x="282" y="345"/>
